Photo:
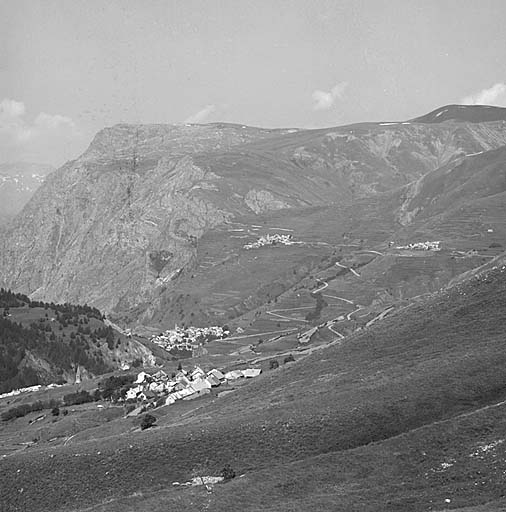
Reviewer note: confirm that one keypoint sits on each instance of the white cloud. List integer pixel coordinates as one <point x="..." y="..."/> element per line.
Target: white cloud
<point x="325" y="99"/>
<point x="495" y="95"/>
<point x="48" y="138"/>
<point x="11" y="109"/>
<point x="54" y="122"/>
<point x="201" y="115"/>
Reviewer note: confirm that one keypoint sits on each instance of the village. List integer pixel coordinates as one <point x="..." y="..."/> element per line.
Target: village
<point x="274" y="239"/>
<point x="158" y="389"/>
<point x="189" y="338"/>
<point x="420" y="246"/>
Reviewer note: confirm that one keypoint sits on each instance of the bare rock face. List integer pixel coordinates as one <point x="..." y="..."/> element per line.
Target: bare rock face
<point x="122" y="219"/>
<point x="262" y="200"/>
<point x="111" y="232"/>
<point x="117" y="227"/>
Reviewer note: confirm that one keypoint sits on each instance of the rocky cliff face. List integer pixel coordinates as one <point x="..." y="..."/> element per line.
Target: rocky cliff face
<point x="119" y="225"/>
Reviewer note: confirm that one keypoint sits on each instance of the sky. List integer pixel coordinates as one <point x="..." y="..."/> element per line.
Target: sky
<point x="68" y="68"/>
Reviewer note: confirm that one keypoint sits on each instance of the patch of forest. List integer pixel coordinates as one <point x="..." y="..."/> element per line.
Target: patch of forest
<point x="65" y="336"/>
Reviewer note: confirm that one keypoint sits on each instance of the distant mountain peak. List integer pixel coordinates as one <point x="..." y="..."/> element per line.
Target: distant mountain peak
<point x="463" y="113"/>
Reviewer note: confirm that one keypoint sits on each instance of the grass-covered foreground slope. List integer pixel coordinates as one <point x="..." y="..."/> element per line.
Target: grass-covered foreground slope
<point x="319" y="433"/>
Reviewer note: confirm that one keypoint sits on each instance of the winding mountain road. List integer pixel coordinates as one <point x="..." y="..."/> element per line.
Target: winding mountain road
<point x="353" y="271"/>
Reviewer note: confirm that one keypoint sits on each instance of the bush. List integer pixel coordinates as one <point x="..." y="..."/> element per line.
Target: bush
<point x="37" y="406"/>
<point x="227" y="473"/>
<point x="55" y="411"/>
<point x="148" y="421"/>
<point x="24" y="409"/>
<point x="81" y="397"/>
<point x="289" y="359"/>
<point x="16" y="412"/>
<point x="273" y="364"/>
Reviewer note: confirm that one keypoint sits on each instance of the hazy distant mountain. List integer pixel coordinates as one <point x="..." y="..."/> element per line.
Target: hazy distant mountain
<point x="467" y="113"/>
<point x="18" y="182"/>
<point x="149" y="223"/>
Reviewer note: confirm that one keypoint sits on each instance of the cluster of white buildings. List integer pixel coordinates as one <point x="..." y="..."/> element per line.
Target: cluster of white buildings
<point x="29" y="389"/>
<point x="268" y="239"/>
<point x="188" y="338"/>
<point x="149" y="389"/>
<point x="421" y="246"/>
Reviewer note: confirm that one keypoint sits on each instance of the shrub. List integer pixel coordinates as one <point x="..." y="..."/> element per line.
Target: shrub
<point x="55" y="411"/>
<point x="289" y="359"/>
<point x="227" y="473"/>
<point x="16" y="412"/>
<point x="273" y="364"/>
<point x="37" y="406"/>
<point x="81" y="397"/>
<point x="148" y="421"/>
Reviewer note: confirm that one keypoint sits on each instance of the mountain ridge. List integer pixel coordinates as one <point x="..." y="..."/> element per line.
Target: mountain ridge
<point x="121" y="224"/>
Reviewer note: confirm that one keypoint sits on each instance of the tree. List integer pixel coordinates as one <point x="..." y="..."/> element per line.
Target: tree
<point x="55" y="411"/>
<point x="148" y="421"/>
<point x="273" y="364"/>
<point x="289" y="359"/>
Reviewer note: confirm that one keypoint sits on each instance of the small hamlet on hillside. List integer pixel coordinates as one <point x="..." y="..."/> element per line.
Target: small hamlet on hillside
<point x="160" y="389"/>
<point x="268" y="239"/>
<point x="189" y="338"/>
<point x="421" y="246"/>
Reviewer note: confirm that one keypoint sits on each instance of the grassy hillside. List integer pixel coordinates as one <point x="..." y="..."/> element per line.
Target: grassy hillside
<point x="428" y="362"/>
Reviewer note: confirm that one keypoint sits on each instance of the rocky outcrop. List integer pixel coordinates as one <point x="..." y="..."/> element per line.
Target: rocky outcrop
<point x="262" y="200"/>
